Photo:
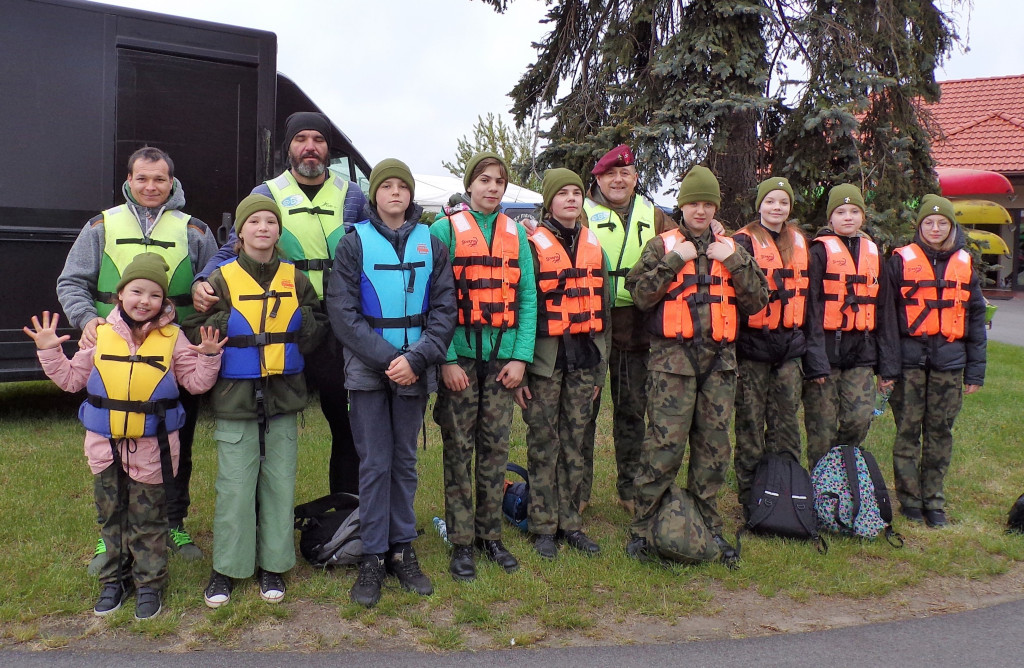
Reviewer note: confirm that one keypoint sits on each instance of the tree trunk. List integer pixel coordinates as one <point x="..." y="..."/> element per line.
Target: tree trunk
<point x="734" y="162"/>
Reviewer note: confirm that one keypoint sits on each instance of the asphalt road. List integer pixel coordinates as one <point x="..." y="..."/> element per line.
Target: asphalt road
<point x="1008" y="323"/>
<point x="990" y="637"/>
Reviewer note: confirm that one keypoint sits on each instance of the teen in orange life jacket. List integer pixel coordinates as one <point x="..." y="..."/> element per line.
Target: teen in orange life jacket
<point x="846" y="300"/>
<point x="569" y="362"/>
<point x="940" y="321"/>
<point x="771" y="343"/>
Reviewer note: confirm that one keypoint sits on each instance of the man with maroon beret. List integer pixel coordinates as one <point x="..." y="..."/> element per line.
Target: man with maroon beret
<point x="624" y="222"/>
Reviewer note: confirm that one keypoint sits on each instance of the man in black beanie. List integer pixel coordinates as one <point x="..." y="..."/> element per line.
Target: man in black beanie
<point x="315" y="207"/>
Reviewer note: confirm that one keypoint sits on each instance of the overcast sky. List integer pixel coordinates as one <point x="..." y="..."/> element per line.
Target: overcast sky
<point x="408" y="78"/>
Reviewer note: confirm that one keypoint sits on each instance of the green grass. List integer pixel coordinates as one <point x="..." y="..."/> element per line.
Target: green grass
<point x="49" y="529"/>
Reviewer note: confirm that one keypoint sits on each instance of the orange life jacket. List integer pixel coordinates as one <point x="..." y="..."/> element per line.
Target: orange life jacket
<point x="678" y="309"/>
<point x="571" y="293"/>
<point x="787" y="283"/>
<point x="850" y="290"/>
<point x="928" y="313"/>
<point x="486" y="279"/>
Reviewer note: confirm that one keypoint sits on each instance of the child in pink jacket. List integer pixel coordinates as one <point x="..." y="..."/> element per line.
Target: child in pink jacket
<point x="132" y="417"/>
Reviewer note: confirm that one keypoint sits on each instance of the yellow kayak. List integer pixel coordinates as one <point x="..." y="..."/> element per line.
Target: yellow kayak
<point x="980" y="212"/>
<point x="988" y="243"/>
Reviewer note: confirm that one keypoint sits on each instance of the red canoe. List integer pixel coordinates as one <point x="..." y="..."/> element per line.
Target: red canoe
<point x="955" y="182"/>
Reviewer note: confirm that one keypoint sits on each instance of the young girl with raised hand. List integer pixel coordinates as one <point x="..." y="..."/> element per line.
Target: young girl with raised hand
<point x="132" y="417"/>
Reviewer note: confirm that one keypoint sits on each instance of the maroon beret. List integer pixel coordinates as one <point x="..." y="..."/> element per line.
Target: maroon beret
<point x="620" y="156"/>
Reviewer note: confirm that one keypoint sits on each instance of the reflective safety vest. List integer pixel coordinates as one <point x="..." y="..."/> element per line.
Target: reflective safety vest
<point x="571" y="291"/>
<point x="311" y="230"/>
<point x="486" y="280"/>
<point x="263" y="327"/>
<point x="849" y="289"/>
<point x="927" y="311"/>
<point x="677" y="311"/>
<point x="129" y="394"/>
<point x="622" y="243"/>
<point x="123" y="240"/>
<point x="787" y="283"/>
<point x="395" y="294"/>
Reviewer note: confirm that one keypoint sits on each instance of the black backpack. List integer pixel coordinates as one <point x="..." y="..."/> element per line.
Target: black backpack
<point x="515" y="502"/>
<point x="781" y="501"/>
<point x="1015" y="522"/>
<point x="329" y="528"/>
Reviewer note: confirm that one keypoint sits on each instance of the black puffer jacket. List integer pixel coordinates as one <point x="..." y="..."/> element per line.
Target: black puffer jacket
<point x="774" y="346"/>
<point x="878" y="349"/>
<point x="935" y="352"/>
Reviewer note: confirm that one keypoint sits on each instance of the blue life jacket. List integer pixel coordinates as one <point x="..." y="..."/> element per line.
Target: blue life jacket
<point x="129" y="395"/>
<point x="395" y="295"/>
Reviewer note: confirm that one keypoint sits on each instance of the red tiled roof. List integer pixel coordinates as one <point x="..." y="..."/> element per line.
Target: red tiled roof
<point x="982" y="123"/>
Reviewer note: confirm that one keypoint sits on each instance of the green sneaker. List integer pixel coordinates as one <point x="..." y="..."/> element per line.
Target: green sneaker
<point x="183" y="544"/>
<point x="99" y="557"/>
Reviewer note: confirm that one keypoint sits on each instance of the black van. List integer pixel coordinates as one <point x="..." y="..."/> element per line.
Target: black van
<point x="82" y="86"/>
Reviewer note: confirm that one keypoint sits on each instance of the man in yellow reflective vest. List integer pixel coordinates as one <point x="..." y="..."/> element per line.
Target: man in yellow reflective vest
<point x="150" y="221"/>
<point x="624" y="222"/>
<point x="315" y="204"/>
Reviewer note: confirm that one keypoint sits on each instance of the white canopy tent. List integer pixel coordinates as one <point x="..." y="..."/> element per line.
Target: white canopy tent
<point x="432" y="192"/>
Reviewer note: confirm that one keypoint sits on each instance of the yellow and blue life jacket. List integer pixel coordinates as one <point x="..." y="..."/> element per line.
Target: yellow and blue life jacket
<point x="263" y="327"/>
<point x="129" y="394"/>
<point x="395" y="295"/>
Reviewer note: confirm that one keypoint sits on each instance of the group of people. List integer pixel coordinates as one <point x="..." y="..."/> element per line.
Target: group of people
<point x="320" y="286"/>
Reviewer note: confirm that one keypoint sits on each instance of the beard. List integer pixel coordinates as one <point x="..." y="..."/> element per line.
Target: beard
<point x="307" y="170"/>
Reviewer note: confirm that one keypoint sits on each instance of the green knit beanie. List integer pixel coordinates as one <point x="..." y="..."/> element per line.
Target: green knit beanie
<point x="770" y="184"/>
<point x="252" y="204"/>
<point x="390" y="168"/>
<point x="475" y="160"/>
<point x="933" y="204"/>
<point x="843" y="194"/>
<point x="555" y="180"/>
<point x="699" y="185"/>
<point x="149" y="266"/>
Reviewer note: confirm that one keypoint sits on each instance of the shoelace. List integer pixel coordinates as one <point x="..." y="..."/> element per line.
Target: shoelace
<point x="180" y="537"/>
<point x="271" y="581"/>
<point x="219" y="584"/>
<point x="101" y="548"/>
<point x="370" y="574"/>
<point x="409" y="566"/>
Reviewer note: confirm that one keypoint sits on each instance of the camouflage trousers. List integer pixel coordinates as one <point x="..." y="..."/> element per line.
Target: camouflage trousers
<point x="139" y="511"/>
<point x="767" y="403"/>
<point x="678" y="411"/>
<point x="475" y="425"/>
<point x="924" y="404"/>
<point x="838" y="412"/>
<point x="557" y="418"/>
<point x="628" y="379"/>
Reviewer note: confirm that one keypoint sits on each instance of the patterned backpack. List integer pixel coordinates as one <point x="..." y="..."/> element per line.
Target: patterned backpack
<point x="515" y="499"/>
<point x="850" y="496"/>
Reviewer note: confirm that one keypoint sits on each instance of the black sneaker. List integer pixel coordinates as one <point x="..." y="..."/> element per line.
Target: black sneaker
<point x="936" y="518"/>
<point x="912" y="514"/>
<point x="546" y="546"/>
<point x="112" y="595"/>
<point x="638" y="548"/>
<point x="730" y="557"/>
<point x="148" y="603"/>
<point x="496" y="551"/>
<point x="271" y="586"/>
<point x="218" y="590"/>
<point x="181" y="542"/>
<point x="366" y="590"/>
<point x="402" y="563"/>
<point x="581" y="542"/>
<point x="462" y="567"/>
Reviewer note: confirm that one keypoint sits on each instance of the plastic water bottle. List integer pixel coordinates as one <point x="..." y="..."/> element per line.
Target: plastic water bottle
<point x="881" y="399"/>
<point x="442" y="529"/>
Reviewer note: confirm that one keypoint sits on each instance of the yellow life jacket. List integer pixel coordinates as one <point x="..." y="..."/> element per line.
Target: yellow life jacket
<point x="622" y="243"/>
<point x="263" y="327"/>
<point x="123" y="240"/>
<point x="311" y="230"/>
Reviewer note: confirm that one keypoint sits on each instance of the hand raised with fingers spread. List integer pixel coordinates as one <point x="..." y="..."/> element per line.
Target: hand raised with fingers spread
<point x="208" y="344"/>
<point x="45" y="333"/>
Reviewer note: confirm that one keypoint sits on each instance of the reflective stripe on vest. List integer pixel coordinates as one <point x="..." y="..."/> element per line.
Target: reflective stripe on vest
<point x="849" y="289"/>
<point x="927" y="312"/>
<point x="622" y="243"/>
<point x="263" y="327"/>
<point x="128" y="394"/>
<point x="123" y="240"/>
<point x="570" y="295"/>
<point x="486" y="280"/>
<point x="312" y="230"/>
<point x="395" y="295"/>
<point x="787" y="283"/>
<point x="677" y="311"/>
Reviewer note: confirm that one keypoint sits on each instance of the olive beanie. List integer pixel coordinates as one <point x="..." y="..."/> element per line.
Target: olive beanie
<point x="555" y="180"/>
<point x="149" y="266"/>
<point x="390" y="168"/>
<point x="475" y="160"/>
<point x="933" y="204"/>
<point x="252" y="204"/>
<point x="699" y="185"/>
<point x="770" y="184"/>
<point x="843" y="194"/>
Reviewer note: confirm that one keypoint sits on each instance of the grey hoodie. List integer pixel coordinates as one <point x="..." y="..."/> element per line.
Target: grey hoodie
<point x="76" y="284"/>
